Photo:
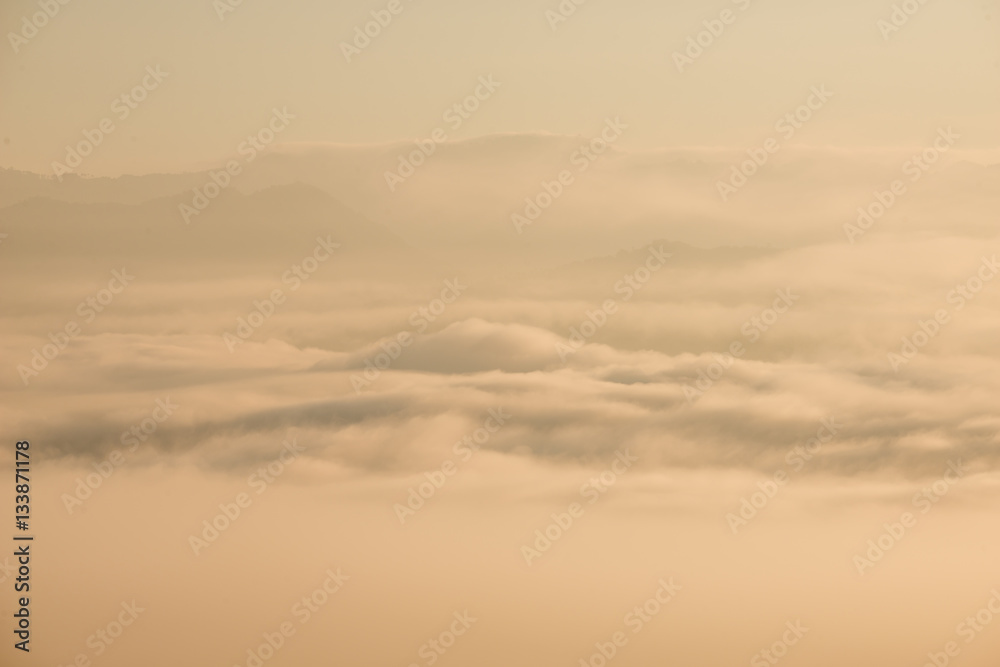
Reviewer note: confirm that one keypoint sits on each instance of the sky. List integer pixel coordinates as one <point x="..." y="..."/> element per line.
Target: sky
<point x="227" y="69"/>
<point x="640" y="333"/>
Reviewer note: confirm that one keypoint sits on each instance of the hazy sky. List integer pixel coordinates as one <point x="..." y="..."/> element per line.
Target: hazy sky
<point x="609" y="58"/>
<point x="633" y="309"/>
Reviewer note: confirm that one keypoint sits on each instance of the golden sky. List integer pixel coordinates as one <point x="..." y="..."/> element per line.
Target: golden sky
<point x="511" y="333"/>
<point x="225" y="74"/>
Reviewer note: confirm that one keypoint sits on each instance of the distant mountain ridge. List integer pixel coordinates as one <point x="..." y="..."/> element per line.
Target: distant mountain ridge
<point x="275" y="221"/>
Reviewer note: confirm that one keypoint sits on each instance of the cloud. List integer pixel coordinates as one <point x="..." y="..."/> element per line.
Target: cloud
<point x="496" y="346"/>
